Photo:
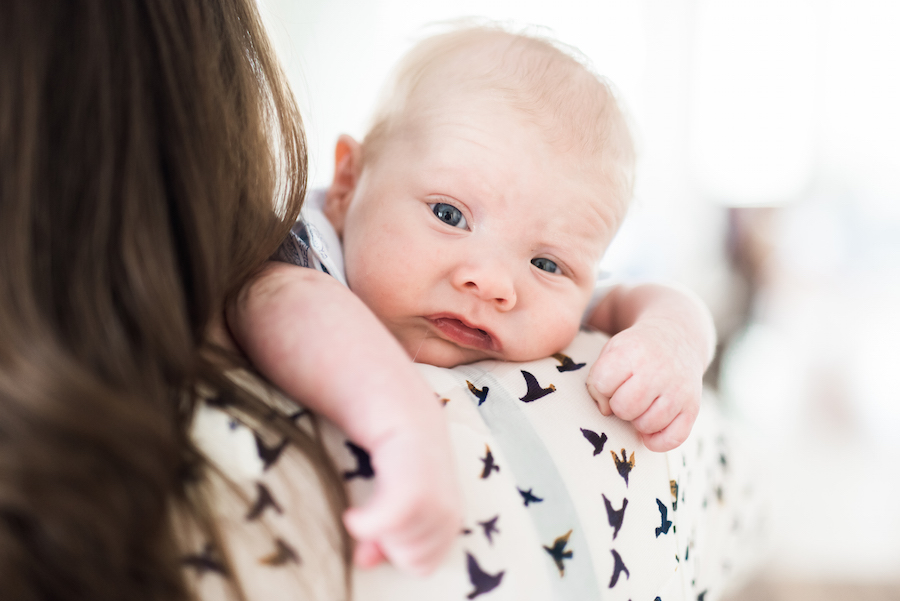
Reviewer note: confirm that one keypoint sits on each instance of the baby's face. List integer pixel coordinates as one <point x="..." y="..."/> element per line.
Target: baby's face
<point x="473" y="238"/>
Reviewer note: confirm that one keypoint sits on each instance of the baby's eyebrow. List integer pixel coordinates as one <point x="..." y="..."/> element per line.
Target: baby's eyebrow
<point x="581" y="244"/>
<point x="578" y="257"/>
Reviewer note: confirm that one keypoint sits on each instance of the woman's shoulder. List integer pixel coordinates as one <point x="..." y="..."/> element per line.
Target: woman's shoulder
<point x="274" y="512"/>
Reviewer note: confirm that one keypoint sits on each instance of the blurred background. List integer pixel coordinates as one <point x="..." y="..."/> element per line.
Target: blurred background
<point x="768" y="181"/>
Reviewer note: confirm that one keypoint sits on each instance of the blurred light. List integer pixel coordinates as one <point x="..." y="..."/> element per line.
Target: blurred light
<point x="753" y="113"/>
<point x="762" y="380"/>
<point x="874" y="369"/>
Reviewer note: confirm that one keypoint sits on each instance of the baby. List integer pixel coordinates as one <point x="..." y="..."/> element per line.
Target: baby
<point x="470" y="223"/>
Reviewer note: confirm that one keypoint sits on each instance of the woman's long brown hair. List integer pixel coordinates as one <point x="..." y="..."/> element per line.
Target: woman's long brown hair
<point x="143" y="145"/>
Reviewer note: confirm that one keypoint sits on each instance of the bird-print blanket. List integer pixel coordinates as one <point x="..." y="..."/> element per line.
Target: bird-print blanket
<point x="561" y="503"/>
<point x="564" y="503"/>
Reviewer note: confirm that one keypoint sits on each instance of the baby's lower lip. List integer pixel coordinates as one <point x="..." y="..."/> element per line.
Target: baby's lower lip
<point x="460" y="333"/>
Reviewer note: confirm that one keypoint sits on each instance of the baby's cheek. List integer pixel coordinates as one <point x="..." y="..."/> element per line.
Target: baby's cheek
<point x="565" y="330"/>
<point x="550" y="332"/>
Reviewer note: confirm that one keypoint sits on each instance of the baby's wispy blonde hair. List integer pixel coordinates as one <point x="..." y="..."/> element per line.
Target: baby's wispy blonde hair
<point x="551" y="85"/>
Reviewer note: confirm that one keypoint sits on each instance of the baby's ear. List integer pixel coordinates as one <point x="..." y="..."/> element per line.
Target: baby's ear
<point x="347" y="168"/>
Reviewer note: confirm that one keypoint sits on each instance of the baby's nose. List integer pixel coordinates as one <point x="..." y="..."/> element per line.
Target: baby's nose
<point x="490" y="281"/>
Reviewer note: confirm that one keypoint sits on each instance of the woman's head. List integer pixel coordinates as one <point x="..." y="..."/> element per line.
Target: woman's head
<point x="138" y="169"/>
<point x="151" y="158"/>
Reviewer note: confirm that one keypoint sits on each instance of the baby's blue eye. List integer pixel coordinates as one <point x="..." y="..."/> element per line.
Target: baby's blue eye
<point x="545" y="265"/>
<point x="449" y="214"/>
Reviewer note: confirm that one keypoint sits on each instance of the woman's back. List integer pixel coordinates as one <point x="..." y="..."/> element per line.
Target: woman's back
<point x="138" y="181"/>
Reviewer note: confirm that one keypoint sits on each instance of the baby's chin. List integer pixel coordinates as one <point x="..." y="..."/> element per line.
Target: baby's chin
<point x="441" y="353"/>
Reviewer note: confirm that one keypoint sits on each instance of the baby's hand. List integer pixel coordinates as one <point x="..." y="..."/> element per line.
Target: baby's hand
<point x="415" y="513"/>
<point x="650" y="375"/>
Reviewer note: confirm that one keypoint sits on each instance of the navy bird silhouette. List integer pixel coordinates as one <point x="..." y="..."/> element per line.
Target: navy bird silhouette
<point x="264" y="500"/>
<point x="205" y="561"/>
<point x="663" y="514"/>
<point x="490" y="527"/>
<point x="481" y="580"/>
<point x="535" y="391"/>
<point x="597" y="440"/>
<point x="618" y="568"/>
<point x="283" y="553"/>
<point x="615" y="516"/>
<point x="269" y="455"/>
<point x="480" y="394"/>
<point x="558" y="552"/>
<point x="488" y="461"/>
<point x="623" y="466"/>
<point x="566" y="363"/>
<point x="363" y="463"/>
<point x="528" y="496"/>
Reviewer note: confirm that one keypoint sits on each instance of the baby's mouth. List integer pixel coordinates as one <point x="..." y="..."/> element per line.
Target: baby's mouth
<point x="462" y="333"/>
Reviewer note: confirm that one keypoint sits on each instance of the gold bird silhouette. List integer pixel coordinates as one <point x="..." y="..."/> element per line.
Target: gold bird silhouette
<point x="480" y="394"/>
<point x="558" y="552"/>
<point x="566" y="363"/>
<point x="488" y="461"/>
<point x="535" y="391"/>
<point x="623" y="467"/>
<point x="283" y="554"/>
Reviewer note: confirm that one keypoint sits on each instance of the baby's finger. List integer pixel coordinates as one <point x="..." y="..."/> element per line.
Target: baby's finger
<point x="411" y="540"/>
<point x="660" y="414"/>
<point x="368" y="554"/>
<point x="631" y="399"/>
<point x="371" y="521"/>
<point x="601" y="400"/>
<point x="608" y="373"/>
<point x="672" y="435"/>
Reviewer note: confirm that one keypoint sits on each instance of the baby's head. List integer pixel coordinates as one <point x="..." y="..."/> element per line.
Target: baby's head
<point x="476" y="210"/>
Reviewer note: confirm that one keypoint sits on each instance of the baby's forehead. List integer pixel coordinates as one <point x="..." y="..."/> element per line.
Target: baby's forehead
<point x="542" y="86"/>
<point x="513" y="137"/>
<point x="532" y="78"/>
<point x="497" y="158"/>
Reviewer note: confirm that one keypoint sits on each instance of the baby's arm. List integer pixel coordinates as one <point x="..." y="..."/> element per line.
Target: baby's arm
<point x="314" y="339"/>
<point x="651" y="371"/>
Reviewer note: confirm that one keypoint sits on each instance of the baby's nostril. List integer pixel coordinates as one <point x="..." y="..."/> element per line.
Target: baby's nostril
<point x="483" y="332"/>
